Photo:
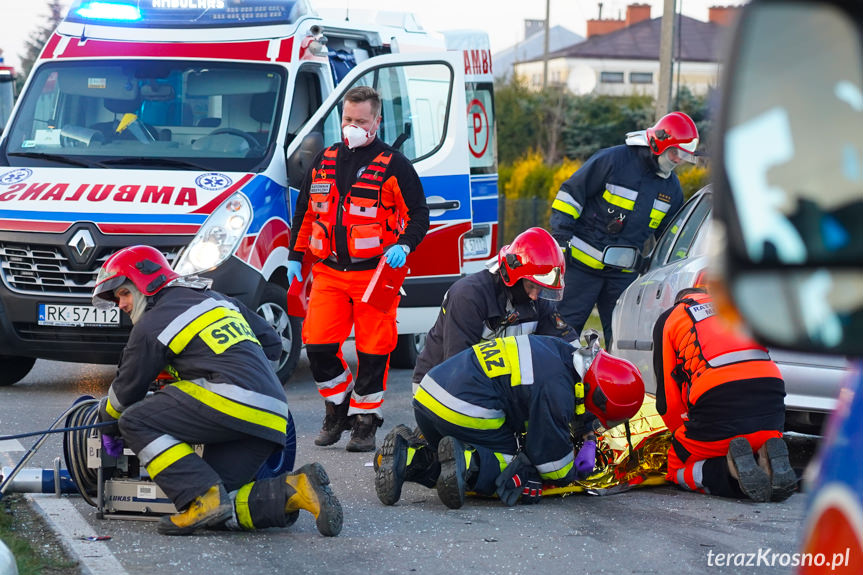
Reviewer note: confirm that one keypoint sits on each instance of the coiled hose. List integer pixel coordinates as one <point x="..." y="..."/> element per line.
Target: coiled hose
<point x="85" y="411"/>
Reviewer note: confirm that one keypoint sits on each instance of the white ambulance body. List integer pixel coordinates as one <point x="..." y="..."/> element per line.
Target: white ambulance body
<point x="188" y="125"/>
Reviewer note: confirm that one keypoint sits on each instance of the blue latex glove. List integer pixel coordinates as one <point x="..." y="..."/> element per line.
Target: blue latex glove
<point x="295" y="272"/>
<point x="585" y="459"/>
<point x="396" y="256"/>
<point x="113" y="445"/>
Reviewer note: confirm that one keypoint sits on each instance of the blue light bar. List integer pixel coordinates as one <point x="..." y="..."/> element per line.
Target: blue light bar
<point x="118" y="12"/>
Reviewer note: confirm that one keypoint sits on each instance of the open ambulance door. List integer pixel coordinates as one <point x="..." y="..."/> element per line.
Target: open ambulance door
<point x="424" y="116"/>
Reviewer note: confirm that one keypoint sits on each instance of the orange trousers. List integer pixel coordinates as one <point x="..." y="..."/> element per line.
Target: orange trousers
<point x="335" y="307"/>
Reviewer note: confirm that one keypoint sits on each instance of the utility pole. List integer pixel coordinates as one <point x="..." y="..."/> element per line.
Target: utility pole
<point x="666" y="48"/>
<point x="545" y="49"/>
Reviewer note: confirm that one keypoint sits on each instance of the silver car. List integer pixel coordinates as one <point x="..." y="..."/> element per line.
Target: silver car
<point x="812" y="381"/>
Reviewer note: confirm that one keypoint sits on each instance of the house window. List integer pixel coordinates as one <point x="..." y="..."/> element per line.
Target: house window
<point x="641" y="77"/>
<point x="611" y="77"/>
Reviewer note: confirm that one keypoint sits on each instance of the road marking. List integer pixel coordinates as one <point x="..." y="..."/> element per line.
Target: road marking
<point x="94" y="557"/>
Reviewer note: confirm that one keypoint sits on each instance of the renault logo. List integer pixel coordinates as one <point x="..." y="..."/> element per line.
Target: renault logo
<point x="82" y="245"/>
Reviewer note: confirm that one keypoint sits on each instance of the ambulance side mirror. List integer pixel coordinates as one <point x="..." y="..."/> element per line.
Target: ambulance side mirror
<point x="788" y="184"/>
<point x="300" y="161"/>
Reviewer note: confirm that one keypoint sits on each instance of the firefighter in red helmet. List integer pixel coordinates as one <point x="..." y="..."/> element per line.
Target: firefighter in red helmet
<point x="623" y="195"/>
<point x="225" y="396"/>
<point x="515" y="295"/>
<point x="497" y="419"/>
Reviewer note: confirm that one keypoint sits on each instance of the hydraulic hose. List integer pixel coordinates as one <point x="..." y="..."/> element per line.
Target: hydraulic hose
<point x="84" y="413"/>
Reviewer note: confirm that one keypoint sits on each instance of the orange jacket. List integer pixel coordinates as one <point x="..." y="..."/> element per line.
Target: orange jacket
<point x="715" y="381"/>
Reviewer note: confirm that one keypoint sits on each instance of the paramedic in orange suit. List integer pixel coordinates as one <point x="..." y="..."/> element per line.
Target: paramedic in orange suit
<point x="721" y="396"/>
<point x="361" y="202"/>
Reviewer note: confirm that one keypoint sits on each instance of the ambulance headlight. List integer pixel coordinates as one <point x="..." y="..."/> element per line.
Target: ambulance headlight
<point x="218" y="237"/>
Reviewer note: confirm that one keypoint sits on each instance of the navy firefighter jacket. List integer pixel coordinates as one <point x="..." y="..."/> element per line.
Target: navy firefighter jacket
<point x="615" y="198"/>
<point x="522" y="383"/>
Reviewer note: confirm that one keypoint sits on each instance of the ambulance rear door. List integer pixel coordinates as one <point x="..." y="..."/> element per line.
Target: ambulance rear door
<point x="423" y="115"/>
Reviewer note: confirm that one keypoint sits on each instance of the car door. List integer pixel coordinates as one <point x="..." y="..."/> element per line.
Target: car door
<point x="673" y="264"/>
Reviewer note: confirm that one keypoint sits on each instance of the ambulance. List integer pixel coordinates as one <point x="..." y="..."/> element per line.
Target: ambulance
<point x="188" y="125"/>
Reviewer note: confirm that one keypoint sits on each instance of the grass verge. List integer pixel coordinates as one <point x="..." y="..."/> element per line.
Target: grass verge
<point x="36" y="548"/>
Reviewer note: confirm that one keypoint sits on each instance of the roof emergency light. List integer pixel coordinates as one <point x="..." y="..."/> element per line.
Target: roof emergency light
<point x="117" y="11"/>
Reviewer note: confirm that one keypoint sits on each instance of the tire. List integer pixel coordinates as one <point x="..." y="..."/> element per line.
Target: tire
<point x="273" y="307"/>
<point x="409" y="346"/>
<point x="14" y="368"/>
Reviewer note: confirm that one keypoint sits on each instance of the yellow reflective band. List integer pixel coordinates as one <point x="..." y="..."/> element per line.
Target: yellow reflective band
<point x="618" y="201"/>
<point x="168" y="457"/>
<point x="227" y="332"/>
<point x="501" y="460"/>
<point x="185" y="335"/>
<point x="559" y="474"/>
<point x="587" y="260"/>
<point x="111" y="411"/>
<point x="232" y="408"/>
<point x="656" y="218"/>
<point x="244" y="516"/>
<point x="568" y="209"/>
<point x="455" y="417"/>
<point x="511" y="349"/>
<point x="492" y="358"/>
<point x="411" y="452"/>
<point x="579" y="390"/>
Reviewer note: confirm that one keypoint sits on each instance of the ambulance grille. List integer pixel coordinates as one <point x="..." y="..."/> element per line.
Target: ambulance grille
<point x="45" y="270"/>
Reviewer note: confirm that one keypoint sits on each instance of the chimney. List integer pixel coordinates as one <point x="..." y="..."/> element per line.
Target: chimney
<point x="636" y="13"/>
<point x="722" y="15"/>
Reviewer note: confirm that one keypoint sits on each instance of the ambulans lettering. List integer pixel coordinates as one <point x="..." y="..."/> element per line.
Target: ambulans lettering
<point x="101" y="192"/>
<point x="477" y="62"/>
<point x="190" y="4"/>
<point x="492" y="358"/>
<point x="227" y="332"/>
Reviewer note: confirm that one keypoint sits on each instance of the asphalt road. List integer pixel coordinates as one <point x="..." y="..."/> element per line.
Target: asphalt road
<point x="659" y="530"/>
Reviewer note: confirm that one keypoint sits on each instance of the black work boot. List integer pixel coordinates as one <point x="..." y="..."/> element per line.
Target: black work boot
<point x="363" y="432"/>
<point x="403" y="457"/>
<point x="753" y="480"/>
<point x="335" y="422"/>
<point x="773" y="458"/>
<point x="459" y="469"/>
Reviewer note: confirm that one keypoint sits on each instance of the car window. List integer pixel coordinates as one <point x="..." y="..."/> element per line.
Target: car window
<point x="660" y="252"/>
<point x="686" y="237"/>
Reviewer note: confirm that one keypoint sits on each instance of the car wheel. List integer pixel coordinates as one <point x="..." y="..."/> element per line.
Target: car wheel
<point x="14" y="368"/>
<point x="273" y="308"/>
<point x="408" y="348"/>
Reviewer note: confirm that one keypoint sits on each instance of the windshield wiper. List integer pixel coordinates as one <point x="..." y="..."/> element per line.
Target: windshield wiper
<point x="167" y="162"/>
<point x="56" y="158"/>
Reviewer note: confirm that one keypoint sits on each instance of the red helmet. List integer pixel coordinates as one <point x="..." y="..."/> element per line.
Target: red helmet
<point x="144" y="266"/>
<point x="674" y="130"/>
<point x="615" y="389"/>
<point x="535" y="257"/>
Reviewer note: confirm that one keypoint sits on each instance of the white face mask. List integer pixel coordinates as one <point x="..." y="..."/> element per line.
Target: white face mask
<point x="355" y="137"/>
<point x="666" y="165"/>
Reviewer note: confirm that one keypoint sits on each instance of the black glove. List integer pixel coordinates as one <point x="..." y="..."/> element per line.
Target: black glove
<point x="519" y="479"/>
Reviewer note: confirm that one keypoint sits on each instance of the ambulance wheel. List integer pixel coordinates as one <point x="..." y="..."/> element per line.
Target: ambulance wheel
<point x="273" y="307"/>
<point x="14" y="368"/>
<point x="409" y="346"/>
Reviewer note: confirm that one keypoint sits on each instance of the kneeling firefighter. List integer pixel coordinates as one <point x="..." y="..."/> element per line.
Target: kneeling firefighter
<point x="226" y="398"/>
<point x="497" y="418"/>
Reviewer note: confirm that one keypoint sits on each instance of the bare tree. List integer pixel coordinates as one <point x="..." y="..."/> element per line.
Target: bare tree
<point x="33" y="46"/>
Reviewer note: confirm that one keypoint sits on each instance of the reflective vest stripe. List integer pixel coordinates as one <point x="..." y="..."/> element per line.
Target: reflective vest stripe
<point x="557" y="469"/>
<point x="565" y="203"/>
<point x="620" y="196"/>
<point x="658" y="212"/>
<point x="251" y="414"/>
<point x="157" y="446"/>
<point x="182" y="320"/>
<point x="503" y="459"/>
<point x="241" y="504"/>
<point x="738" y="356"/>
<point x="182" y="339"/>
<point x="586" y="253"/>
<point x="525" y="359"/>
<point x="454" y="410"/>
<point x="579" y="398"/>
<point x="113" y="405"/>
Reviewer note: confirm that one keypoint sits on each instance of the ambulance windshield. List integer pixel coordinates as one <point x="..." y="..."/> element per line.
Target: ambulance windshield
<point x="218" y="115"/>
<point x="187" y="13"/>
